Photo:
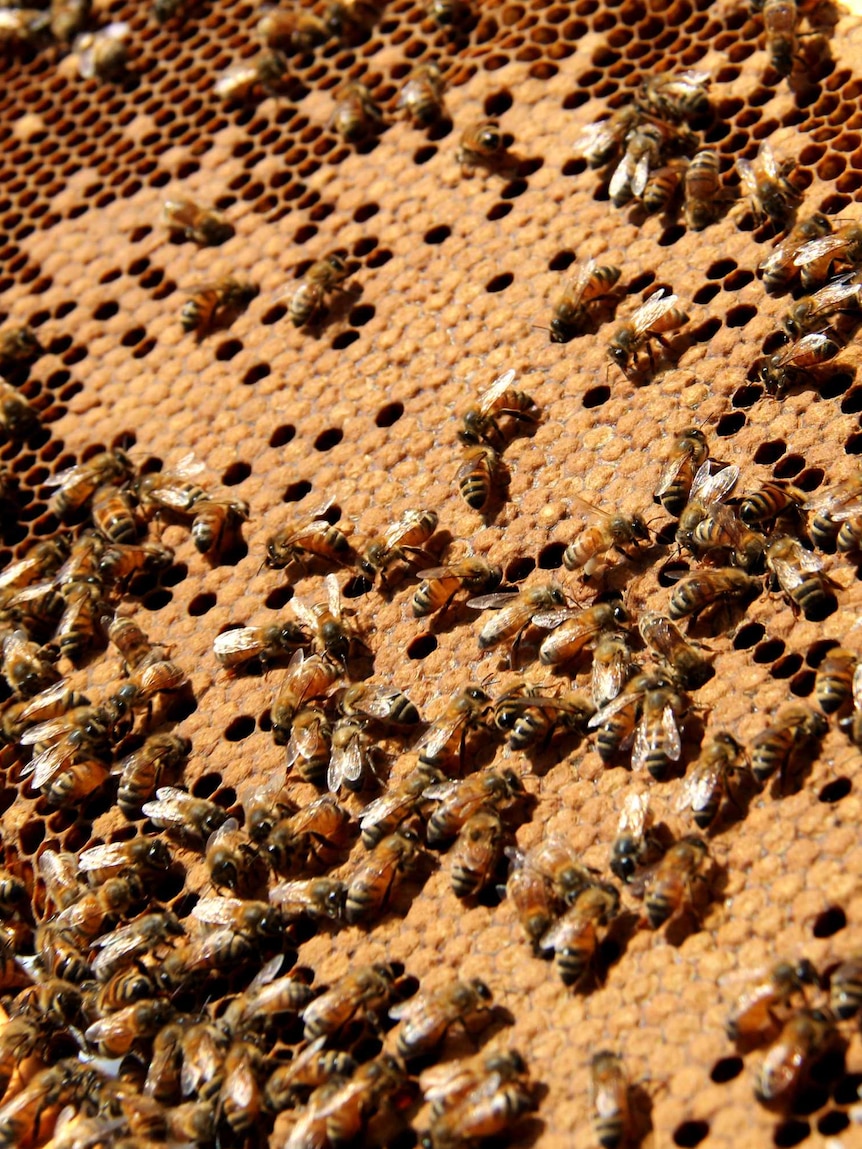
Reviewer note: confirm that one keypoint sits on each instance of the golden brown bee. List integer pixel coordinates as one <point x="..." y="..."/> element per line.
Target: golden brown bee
<point x="761" y="1008"/>
<point x="476" y="853"/>
<point x="26" y="665"/>
<point x="382" y="705"/>
<point x="804" y="1037"/>
<point x="500" y="400"/>
<point x="251" y="919"/>
<point x="132" y="644"/>
<point x="657" y="738"/>
<point x="22" y="27"/>
<point x="833" y="686"/>
<point x="796" y="728"/>
<point x="320" y="830"/>
<point x="426" y="1018"/>
<point x="140" y="855"/>
<point x="242" y="645"/>
<point x="313" y="1066"/>
<point x="93" y="912"/>
<point x="268" y="996"/>
<point x="13" y="889"/>
<point x="175" y="491"/>
<point x="842" y="294"/>
<point x="573" y="629"/>
<point x="530" y="718"/>
<point x="113" y="514"/>
<point x="644" y="145"/>
<point x="688" y="453"/>
<point x="401" y="801"/>
<point x="119" y="564"/>
<point x="674" y="95"/>
<point x="459" y="800"/>
<point x="299" y="542"/>
<point x="17" y="344"/>
<point x="123" y="946"/>
<point x="542" y="882"/>
<point x="636" y="845"/>
<point x="351" y="761"/>
<point x="337" y="1113"/>
<point x="60" y="954"/>
<point x="312" y="897"/>
<point x="574" y="937"/>
<point x="362" y="993"/>
<point x="689" y="666"/>
<point x="77" y="485"/>
<point x="332" y="637"/>
<point x="180" y="811"/>
<point x="308" y="677"/>
<point x="796" y="362"/>
<point x="845" y="988"/>
<point x="264" y="72"/>
<point x="104" y="53"/>
<point x="515" y="613"/>
<point x="710" y="780"/>
<point x="779" y="23"/>
<point x="612" y="530"/>
<point x="482" y="145"/>
<point x="216" y="304"/>
<point x="59" y="872"/>
<point x="355" y="116"/>
<point x="779" y="268"/>
<point x="609" y="1097"/>
<point x="39" y="563"/>
<point x="839" y="510"/>
<point x="819" y="254"/>
<point x="441" y="585"/>
<point x="215" y="521"/>
<point x="671" y="890"/>
<point x="702" y="189"/>
<point x="474" y="1106"/>
<point x="701" y="590"/>
<point x="291" y="31"/>
<point x="309" y="746"/>
<point x="721" y="536"/>
<point x="770" y="501"/>
<point x="241" y="1096"/>
<point x="652" y="320"/>
<point x="466" y="711"/>
<point x="232" y="860"/>
<point x="771" y="194"/>
<point x="401" y="546"/>
<point x="799" y="574"/>
<point x="573" y="309"/>
<point x="422" y="95"/>
<point x="322" y="278"/>
<point x="186" y="219"/>
<point x="617" y="723"/>
<point x="128" y="985"/>
<point x="663" y="184"/>
<point x="116" y="1034"/>
<point x="375" y="879"/>
<point x="481" y="477"/>
<point x="598" y="143"/>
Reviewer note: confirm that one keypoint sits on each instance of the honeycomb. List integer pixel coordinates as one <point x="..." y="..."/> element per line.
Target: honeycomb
<point x="453" y="281"/>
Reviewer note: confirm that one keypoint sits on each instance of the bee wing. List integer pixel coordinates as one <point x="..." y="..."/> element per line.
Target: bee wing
<point x="656" y="631"/>
<point x="652" y="310"/>
<point x="217" y="911"/>
<point x="672" y="739"/>
<point x="58" y="868"/>
<point x="493" y="601"/>
<point x="67" y="476"/>
<point x="595" y="140"/>
<point x="713" y="488"/>
<point x="377" y="701"/>
<point x="304" y="613"/>
<point x="641" y="746"/>
<point x="697" y="790"/>
<point x="635" y="815"/>
<point x="621" y="702"/>
<point x="345" y="764"/>
<point x="103" y="857"/>
<point x="229" y="826"/>
<point x="558" y="935"/>
<point x="226" y="84"/>
<point x="241" y="640"/>
<point x="669" y="473"/>
<point x="551" y="619"/>
<point x="49" y="731"/>
<point x="641" y="175"/>
<point x="608" y="678"/>
<point x="440" y="791"/>
<point x="816" y="249"/>
<point x="302" y="742"/>
<point x="838" y="505"/>
<point x="47" y="765"/>
<point x="167" y="811"/>
<point x="333" y="595"/>
<point x="767" y="161"/>
<point x="747" y="177"/>
<point x="404" y="1009"/>
<point x="830" y="297"/>
<point x="621" y="180"/>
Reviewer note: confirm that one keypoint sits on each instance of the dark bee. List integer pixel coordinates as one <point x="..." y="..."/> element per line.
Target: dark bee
<point x="531" y="718"/>
<point x="459" y="800"/>
<point x="422" y="95"/>
<point x="202" y="225"/>
<point x="652" y="320"/>
<point x="779" y="22"/>
<point x="663" y="184"/>
<point x="780" y="267"/>
<point x="843" y="294"/>
<point x="799" y="574"/>
<point x="264" y="72"/>
<point x="113" y="512"/>
<point x="636" y="845"/>
<point x="574" y="937"/>
<point x="702" y="189"/>
<point x="402" y="546"/>
<point x="817" y="257"/>
<point x="845" y="988"/>
<point x="796" y="731"/>
<point x="400" y="802"/>
<point x="591" y="286"/>
<point x="481" y="477"/>
<point x="265" y="644"/>
<point x="711" y="779"/>
<point x="689" y="666"/>
<point x="501" y="400"/>
<point x="216" y="304"/>
<point x="482" y="145"/>
<point x="702" y="590"/>
<point x="833" y="686"/>
<point x="17" y="344"/>
<point x="103" y="53"/>
<point x="770" y="193"/>
<point x="426" y="1018"/>
<point x="232" y="860"/>
<point x="331" y="635"/>
<point x="356" y="116"/>
<point x="770" y="501"/>
<point x="374" y="881"/>
<point x="141" y="771"/>
<point x="797" y="361"/>
<point x="674" y="95"/>
<point x="180" y="811"/>
<point x="598" y="143"/>
<point x="316" y="539"/>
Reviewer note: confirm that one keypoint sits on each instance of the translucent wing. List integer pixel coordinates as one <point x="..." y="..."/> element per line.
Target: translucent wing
<point x="816" y="249"/>
<point x="499" y="387"/>
<point x="217" y="911"/>
<point x="652" y="310"/>
<point x="709" y="488"/>
<point x="635" y="815"/>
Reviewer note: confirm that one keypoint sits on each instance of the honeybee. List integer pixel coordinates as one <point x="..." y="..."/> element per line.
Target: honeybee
<point x="574" y="629"/>
<point x="779" y="23"/>
<point x="598" y="143"/>
<point x="500" y="400"/>
<point x="833" y="686"/>
<point x="375" y="879"/>
<point x="39" y="563"/>
<point x="241" y="1097"/>
<point x="843" y="293"/>
<point x="779" y="268"/>
<point x="216" y="305"/>
<point x="94" y="911"/>
<point x="530" y="718"/>
<point x="351" y="760"/>
<point x="141" y="855"/>
<point x="291" y="31"/>
<point x="804" y="1037"/>
<point x="307" y="677"/>
<point x="689" y="452"/>
<point x="311" y="1067"/>
<point x="657" y="740"/>
<point x="22" y="27"/>
<point x="644" y="147"/>
<point x="422" y="95"/>
<point x="378" y="704"/>
<point x="674" y="95"/>
<point x="426" y="1018"/>
<point x="59" y="872"/>
<point x="702" y="590"/>
<point x="573" y="309"/>
<point x="13" y="889"/>
<point x="799" y="574"/>
<point x="762" y="1007"/>
<point x="216" y="520"/>
<point x="251" y="919"/>
<point x="313" y="897"/>
<point x="403" y="543"/>
<point x="322" y="278"/>
<point x="363" y="993"/>
<point x="797" y="361"/>
<point x="482" y="145"/>
<point x="164" y="10"/>
<point x="482" y="1105"/>
<point x="180" y="811"/>
<point x="355" y="116"/>
<point x="686" y="662"/>
<point x="515" y="613"/>
<point x="123" y="946"/>
<point x="845" y="988"/>
<point x="309" y="746"/>
<point x="542" y="882"/>
<point x="770" y="193"/>
<point x="351" y="19"/>
<point x="652" y="320"/>
<point x="68" y="18"/>
<point x="78" y="484"/>
<point x="816" y="257"/>
<point x="721" y="535"/>
<point x="609" y="1097"/>
<point x="796" y="728"/>
<point x="113" y="513"/>
<point x="60" y="955"/>
<point x="466" y="711"/>
<point x="636" y="845"/>
<point x="476" y="853"/>
<point x="710" y="781"/>
<point x="319" y="830"/>
<point x="186" y="219"/>
<point x="116" y="1034"/>
<point x="702" y="189"/>
<point x="232" y="860"/>
<point x="265" y="71"/>
<point x="326" y="621"/>
<point x="104" y="53"/>
<point x="671" y="890"/>
<point x="481" y="477"/>
<point x="440" y="585"/>
<point x="338" y="1112"/>
<point x="128" y="985"/>
<point x="267" y="644"/>
<point x="448" y="12"/>
<point x="17" y="344"/>
<point x="574" y="937"/>
<point x="852" y="724"/>
<point x="459" y="800"/>
<point x="839" y="512"/>
<point x="26" y="665"/>
<point x="612" y="530"/>
<point x="770" y="501"/>
<point x="316" y="539"/>
<point x="400" y="802"/>
<point x="663" y="184"/>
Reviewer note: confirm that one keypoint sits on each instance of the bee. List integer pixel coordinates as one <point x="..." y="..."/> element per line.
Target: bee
<point x="663" y="184"/>
<point x="644" y="146"/>
<point x="574" y="937"/>
<point x="375" y="879"/>
<point x="402" y="544"/>
<point x="59" y="872"/>
<point x="250" y="919"/>
<point x="702" y="192"/>
<point x="674" y="95"/>
<point x="95" y="910"/>
<point x="833" y="686"/>
<point x="308" y="677"/>
<point x="332" y="636"/>
<point x="542" y="882"/>
<point x="103" y="54"/>
<point x="322" y="278"/>
<point x="400" y="802"/>
<point x="531" y="718"/>
<point x="355" y="117"/>
<point x="702" y="590"/>
<point x="116" y="1034"/>
<point x="422" y="95"/>
<point x="636" y="844"/>
<point x="689" y="452"/>
<point x="770" y="501"/>
<point x="516" y="613"/>
<point x="313" y="897"/>
<point x="39" y="563"/>
<point x="466" y="711"/>
<point x="572" y="311"/>
<point x="805" y="1037"/>
<point x="216" y="304"/>
<point x="351" y="760"/>
<point x="232" y="860"/>
<point x="216" y="520"/>
<point x="476" y="853"/>
<point x="266" y="71"/>
<point x="128" y="985"/>
<point x="23" y="28"/>
<point x="779" y="23"/>
<point x="500" y="400"/>
<point x="722" y="534"/>
<point x="378" y="704"/>
<point x="313" y="1066"/>
<point x="320" y="830"/>
<point x="74" y="782"/>
<point x="180" y="811"/>
<point x="845" y="988"/>
<point x="479" y="1106"/>
<point x="816" y="257"/>
<point x="771" y="194"/>
<point x="113" y="514"/>
<point x="291" y="31"/>
<point x="612" y="530"/>
<point x="241" y="1096"/>
<point x="482" y="145"/>
<point x="685" y="661"/>
<point x="77" y="485"/>
<point x="147" y="856"/>
<point x="837" y="507"/>
<point x="363" y="993"/>
<point x="26" y="665"/>
<point x="204" y="226"/>
<point x="481" y="477"/>
<point x="760" y="1009"/>
<point x="123" y="946"/>
<point x="309" y="746"/>
<point x="852" y="724"/>
<point x="17" y="344"/>
<point x="796" y="362"/>
<point x="338" y="1112"/>
<point x="426" y="1018"/>
<point x="799" y="574"/>
<point x="796" y="729"/>
<point x="60" y="954"/>
<point x="671" y="891"/>
<point x="609" y="1097"/>
<point x="598" y="143"/>
<point x="710" y="781"/>
<point x="657" y="316"/>
<point x="459" y="800"/>
<point x="572" y="630"/>
<point x="657" y="738"/>
<point x="316" y="539"/>
<point x="806" y="315"/>
<point x="240" y="646"/>
<point x="619" y="722"/>
<point x="779" y="268"/>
